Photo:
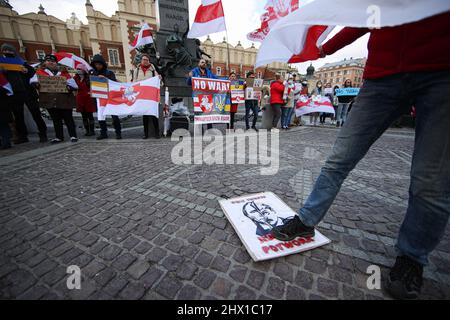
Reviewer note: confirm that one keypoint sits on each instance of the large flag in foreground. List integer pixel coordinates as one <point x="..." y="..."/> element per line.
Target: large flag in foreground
<point x="125" y="99"/>
<point x="289" y="37"/>
<point x="209" y="19"/>
<point x="144" y="37"/>
<point x="70" y="60"/>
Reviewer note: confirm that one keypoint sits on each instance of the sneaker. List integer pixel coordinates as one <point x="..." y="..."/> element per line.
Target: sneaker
<point x="102" y="137"/>
<point x="118" y="136"/>
<point x="405" y="279"/>
<point x="56" y="140"/>
<point x="292" y="229"/>
<point x="73" y="139"/>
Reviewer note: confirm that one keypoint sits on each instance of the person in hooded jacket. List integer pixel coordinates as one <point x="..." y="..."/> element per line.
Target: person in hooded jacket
<point x="85" y="104"/>
<point x="20" y="82"/>
<point x="100" y="69"/>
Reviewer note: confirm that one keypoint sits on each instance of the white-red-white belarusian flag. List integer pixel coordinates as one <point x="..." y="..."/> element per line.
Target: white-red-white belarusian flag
<point x="125" y="99"/>
<point x="144" y="37"/>
<point x="70" y="60"/>
<point x="297" y="36"/>
<point x="275" y="10"/>
<point x="210" y="18"/>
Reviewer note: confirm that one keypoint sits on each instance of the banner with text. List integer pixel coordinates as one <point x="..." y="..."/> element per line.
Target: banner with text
<point x="347" y="92"/>
<point x="211" y="100"/>
<point x="253" y="218"/>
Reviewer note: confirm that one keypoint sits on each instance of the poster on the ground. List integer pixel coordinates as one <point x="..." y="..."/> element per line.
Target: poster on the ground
<point x="306" y="105"/>
<point x="212" y="100"/>
<point x="254" y="216"/>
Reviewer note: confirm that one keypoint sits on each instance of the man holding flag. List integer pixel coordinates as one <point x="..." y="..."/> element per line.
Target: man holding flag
<point x="408" y="64"/>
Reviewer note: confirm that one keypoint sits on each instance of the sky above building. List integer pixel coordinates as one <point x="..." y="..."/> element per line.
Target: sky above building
<point x="241" y="17"/>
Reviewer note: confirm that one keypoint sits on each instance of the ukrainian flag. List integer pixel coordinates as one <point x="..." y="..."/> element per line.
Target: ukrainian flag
<point x="11" y="64"/>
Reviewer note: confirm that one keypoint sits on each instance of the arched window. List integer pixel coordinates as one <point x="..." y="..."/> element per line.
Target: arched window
<point x="38" y="33"/>
<point x="114" y="36"/>
<point x="84" y="39"/>
<point x="54" y="34"/>
<point x="70" y="39"/>
<point x="100" y="32"/>
<point x="219" y="71"/>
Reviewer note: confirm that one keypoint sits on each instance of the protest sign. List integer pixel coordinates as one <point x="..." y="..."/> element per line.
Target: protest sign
<point x="52" y="84"/>
<point x="254" y="88"/>
<point x="99" y="87"/>
<point x="306" y="105"/>
<point x="254" y="216"/>
<point x="328" y="91"/>
<point x="211" y="100"/>
<point x="347" y="92"/>
<point x="237" y="92"/>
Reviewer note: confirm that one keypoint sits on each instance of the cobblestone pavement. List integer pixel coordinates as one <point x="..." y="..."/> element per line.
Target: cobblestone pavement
<point x="140" y="227"/>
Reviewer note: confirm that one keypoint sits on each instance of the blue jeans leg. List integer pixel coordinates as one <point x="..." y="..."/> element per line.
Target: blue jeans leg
<point x="377" y="106"/>
<point x="429" y="194"/>
<point x="284" y="115"/>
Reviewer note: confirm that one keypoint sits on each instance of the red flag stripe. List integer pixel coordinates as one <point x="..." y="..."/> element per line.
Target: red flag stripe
<point x="209" y="12"/>
<point x="310" y="50"/>
<point x="145" y="93"/>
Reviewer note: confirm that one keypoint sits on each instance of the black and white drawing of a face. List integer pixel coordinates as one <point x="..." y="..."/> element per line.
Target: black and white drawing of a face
<point x="263" y="215"/>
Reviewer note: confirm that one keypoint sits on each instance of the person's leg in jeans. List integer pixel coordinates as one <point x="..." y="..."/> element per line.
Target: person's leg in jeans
<point x="276" y="114"/>
<point x="291" y="112"/>
<point x="377" y="106"/>
<point x="284" y="114"/>
<point x="5" y="134"/>
<point x="117" y="127"/>
<point x="344" y="112"/>
<point x="70" y="123"/>
<point x="255" y="109"/>
<point x="429" y="194"/>
<point x="57" y="122"/>
<point x="339" y="113"/>
<point x="33" y="106"/>
<point x="103" y="129"/>
<point x="247" y="114"/>
<point x="18" y="102"/>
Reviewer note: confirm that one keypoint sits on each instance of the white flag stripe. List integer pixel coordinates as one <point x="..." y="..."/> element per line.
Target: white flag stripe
<point x="100" y="89"/>
<point x="201" y="29"/>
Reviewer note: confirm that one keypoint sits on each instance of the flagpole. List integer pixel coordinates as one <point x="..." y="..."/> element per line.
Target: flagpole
<point x="228" y="45"/>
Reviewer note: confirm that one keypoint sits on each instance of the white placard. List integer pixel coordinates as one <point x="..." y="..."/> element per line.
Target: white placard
<point x="254" y="216"/>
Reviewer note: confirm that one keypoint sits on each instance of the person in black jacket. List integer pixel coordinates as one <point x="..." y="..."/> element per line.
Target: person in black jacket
<point x="20" y="82"/>
<point x="100" y="68"/>
<point x="5" y="115"/>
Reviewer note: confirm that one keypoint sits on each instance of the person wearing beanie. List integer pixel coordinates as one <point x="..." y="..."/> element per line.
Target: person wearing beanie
<point x="100" y="69"/>
<point x="56" y="103"/>
<point x="23" y="94"/>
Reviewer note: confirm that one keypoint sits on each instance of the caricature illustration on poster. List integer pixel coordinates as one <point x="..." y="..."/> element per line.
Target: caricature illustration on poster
<point x="254" y="216"/>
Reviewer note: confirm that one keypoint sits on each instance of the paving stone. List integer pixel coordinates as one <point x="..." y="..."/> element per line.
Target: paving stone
<point x="189" y="292"/>
<point x="256" y="279"/>
<point x="169" y="287"/>
<point x="187" y="270"/>
<point x="205" y="278"/>
<point x="327" y="287"/>
<point x="220" y="264"/>
<point x="172" y="262"/>
<point x="245" y="293"/>
<point x="295" y="293"/>
<point x="221" y="287"/>
<point x="123" y="261"/>
<point x="241" y="256"/>
<point x="133" y="291"/>
<point x="238" y="273"/>
<point x="204" y="259"/>
<point x="275" y="288"/>
<point x="138" y="269"/>
<point x="284" y="271"/>
<point x="143" y="247"/>
<point x="156" y="255"/>
<point x="151" y="276"/>
<point x="110" y="252"/>
<point x="315" y="266"/>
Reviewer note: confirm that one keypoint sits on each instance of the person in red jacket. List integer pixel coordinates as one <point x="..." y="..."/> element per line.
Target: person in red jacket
<point x="276" y="98"/>
<point x="407" y="65"/>
<point x="85" y="104"/>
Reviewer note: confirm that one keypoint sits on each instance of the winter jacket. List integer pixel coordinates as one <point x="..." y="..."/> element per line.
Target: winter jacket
<point x="276" y="92"/>
<point x="98" y="58"/>
<point x="196" y="73"/>
<point x="234" y="107"/>
<point x="420" y="46"/>
<point x="141" y="73"/>
<point x="85" y="103"/>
